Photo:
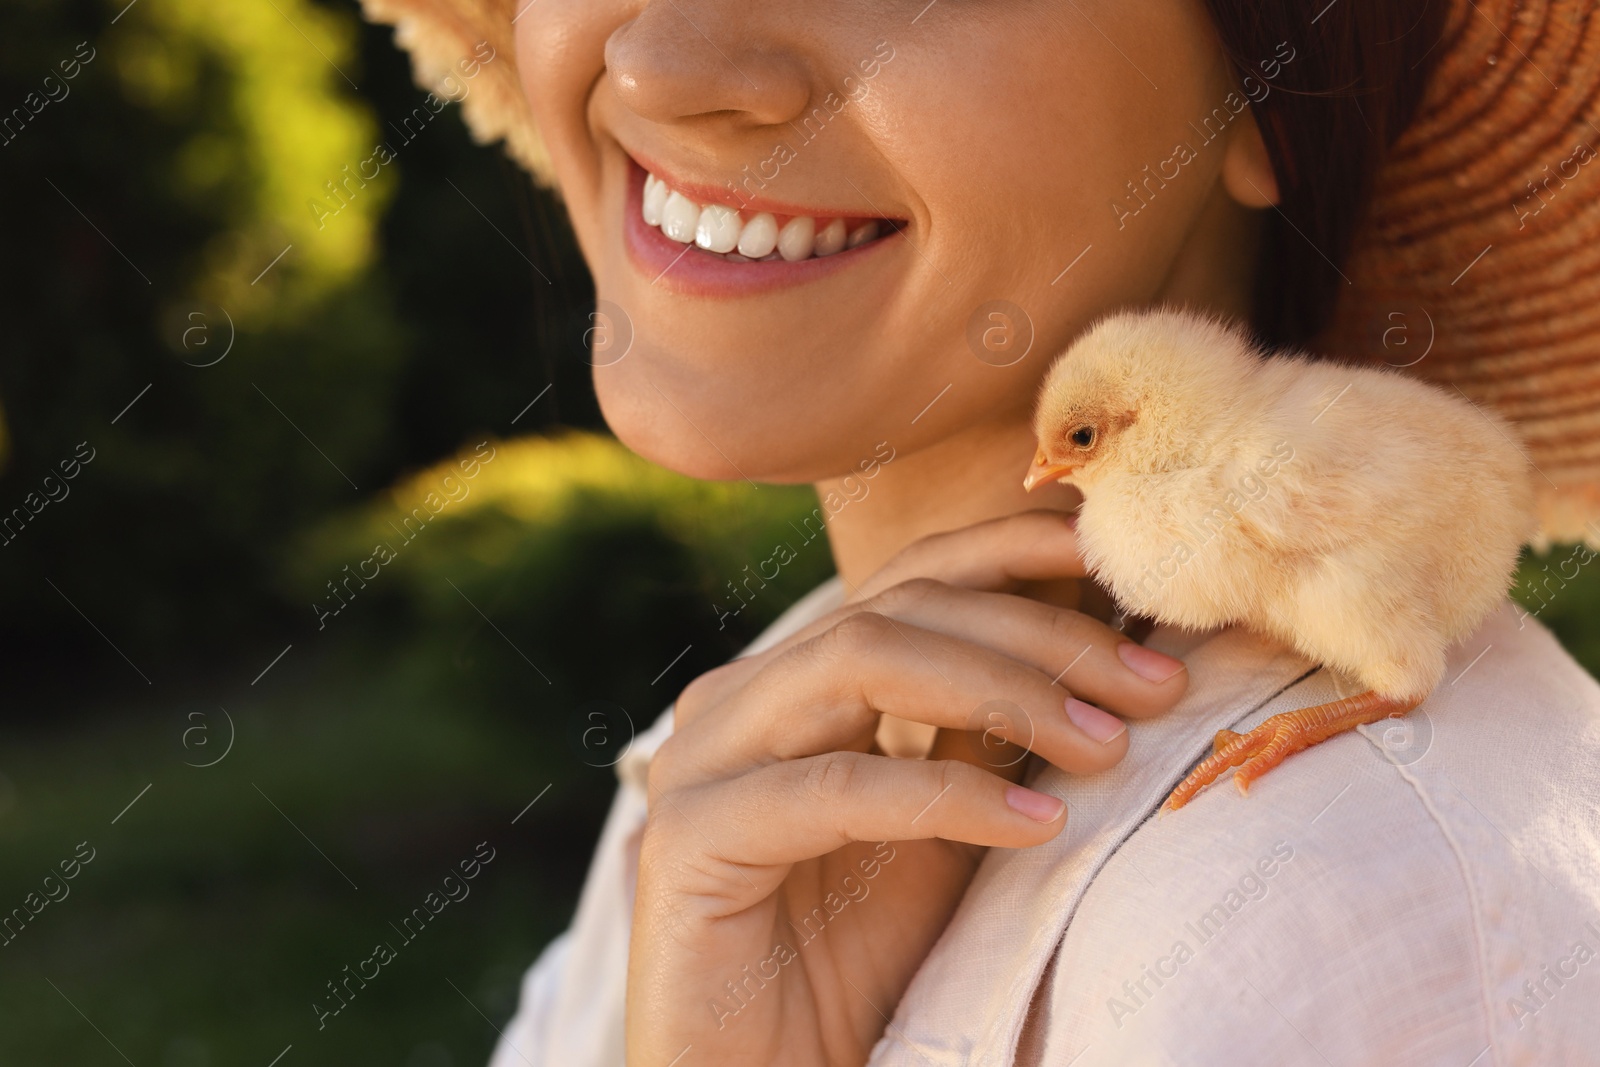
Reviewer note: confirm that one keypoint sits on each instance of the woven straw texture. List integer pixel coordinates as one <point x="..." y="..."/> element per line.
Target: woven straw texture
<point x="439" y="34"/>
<point x="1484" y="240"/>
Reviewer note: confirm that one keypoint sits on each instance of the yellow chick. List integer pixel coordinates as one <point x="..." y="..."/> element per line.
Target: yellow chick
<point x="1360" y="515"/>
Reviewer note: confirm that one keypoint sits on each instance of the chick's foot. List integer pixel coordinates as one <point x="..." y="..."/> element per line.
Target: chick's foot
<point x="1265" y="747"/>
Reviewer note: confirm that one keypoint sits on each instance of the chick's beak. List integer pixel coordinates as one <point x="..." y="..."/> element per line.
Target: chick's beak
<point x="1044" y="471"/>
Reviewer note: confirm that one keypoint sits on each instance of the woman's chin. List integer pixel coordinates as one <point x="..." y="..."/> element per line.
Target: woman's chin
<point x="760" y="426"/>
<point x="652" y="427"/>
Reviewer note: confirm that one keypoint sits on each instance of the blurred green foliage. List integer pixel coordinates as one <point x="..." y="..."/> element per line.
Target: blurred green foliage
<point x="562" y="569"/>
<point x="448" y="694"/>
<point x="165" y="182"/>
<point x="1560" y="588"/>
<point x="161" y="212"/>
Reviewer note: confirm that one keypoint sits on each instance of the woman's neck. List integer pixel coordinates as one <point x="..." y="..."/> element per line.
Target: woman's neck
<point x="967" y="478"/>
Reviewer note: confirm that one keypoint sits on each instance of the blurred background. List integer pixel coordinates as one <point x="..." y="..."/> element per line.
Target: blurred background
<point x="217" y="401"/>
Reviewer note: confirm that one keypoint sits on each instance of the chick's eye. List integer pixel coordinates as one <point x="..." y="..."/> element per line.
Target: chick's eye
<point x="1083" y="436"/>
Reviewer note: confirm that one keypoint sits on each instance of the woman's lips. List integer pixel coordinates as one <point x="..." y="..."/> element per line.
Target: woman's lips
<point x="688" y="268"/>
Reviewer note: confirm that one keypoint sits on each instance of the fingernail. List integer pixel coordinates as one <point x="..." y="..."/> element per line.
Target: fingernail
<point x="1147" y="663"/>
<point x="1100" y="725"/>
<point x="1039" y="807"/>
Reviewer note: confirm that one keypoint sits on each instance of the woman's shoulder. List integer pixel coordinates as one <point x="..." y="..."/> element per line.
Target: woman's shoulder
<point x="1427" y="890"/>
<point x="1416" y="892"/>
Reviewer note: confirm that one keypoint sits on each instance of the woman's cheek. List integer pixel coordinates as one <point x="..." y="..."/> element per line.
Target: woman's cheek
<point x="560" y="52"/>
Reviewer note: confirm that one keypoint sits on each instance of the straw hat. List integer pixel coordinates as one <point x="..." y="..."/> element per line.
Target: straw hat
<point x="1480" y="251"/>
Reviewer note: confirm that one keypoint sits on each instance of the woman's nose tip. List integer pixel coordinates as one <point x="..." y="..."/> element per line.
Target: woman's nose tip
<point x="679" y="60"/>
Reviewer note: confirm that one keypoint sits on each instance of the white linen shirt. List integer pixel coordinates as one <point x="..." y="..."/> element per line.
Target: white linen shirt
<point x="1421" y="891"/>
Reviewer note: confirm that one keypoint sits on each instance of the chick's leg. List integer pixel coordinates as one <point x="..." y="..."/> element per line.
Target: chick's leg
<point x="1265" y="747"/>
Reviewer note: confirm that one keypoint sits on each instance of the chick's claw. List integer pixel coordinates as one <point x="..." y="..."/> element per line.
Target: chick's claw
<point x="1224" y="739"/>
<point x="1263" y="748"/>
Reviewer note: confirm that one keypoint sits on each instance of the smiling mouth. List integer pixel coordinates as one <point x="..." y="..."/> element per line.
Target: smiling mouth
<point x="750" y="235"/>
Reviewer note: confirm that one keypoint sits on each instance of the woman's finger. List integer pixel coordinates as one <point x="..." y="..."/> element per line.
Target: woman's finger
<point x="827" y="693"/>
<point x="997" y="554"/>
<point x="1092" y="661"/>
<point x="798" y="809"/>
<point x="710" y="689"/>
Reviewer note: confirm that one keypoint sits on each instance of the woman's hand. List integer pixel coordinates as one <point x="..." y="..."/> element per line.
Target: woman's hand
<point x="792" y="878"/>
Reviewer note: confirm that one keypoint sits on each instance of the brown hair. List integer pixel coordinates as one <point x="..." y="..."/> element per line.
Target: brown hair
<point x="1357" y="75"/>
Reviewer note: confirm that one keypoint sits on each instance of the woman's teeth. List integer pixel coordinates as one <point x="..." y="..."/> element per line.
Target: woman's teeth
<point x="721" y="229"/>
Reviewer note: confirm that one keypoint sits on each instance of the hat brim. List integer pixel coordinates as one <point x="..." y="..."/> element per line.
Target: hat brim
<point x="445" y="38"/>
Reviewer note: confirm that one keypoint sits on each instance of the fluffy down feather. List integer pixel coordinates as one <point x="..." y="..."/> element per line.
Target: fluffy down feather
<point x="1362" y="516"/>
